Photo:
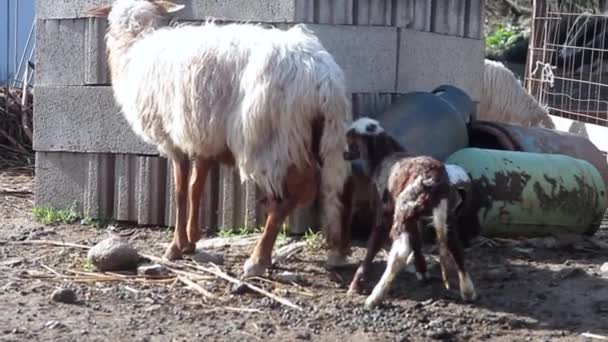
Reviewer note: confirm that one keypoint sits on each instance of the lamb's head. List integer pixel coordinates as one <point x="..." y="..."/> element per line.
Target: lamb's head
<point x="367" y="140"/>
<point x="134" y="16"/>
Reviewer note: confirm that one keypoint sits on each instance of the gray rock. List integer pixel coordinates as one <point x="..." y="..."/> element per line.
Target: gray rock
<point x="67" y="296"/>
<point x="113" y="254"/>
<point x="153" y="270"/>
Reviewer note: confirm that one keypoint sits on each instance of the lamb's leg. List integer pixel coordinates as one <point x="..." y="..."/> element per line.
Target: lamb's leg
<point x="419" y="262"/>
<point x="467" y="289"/>
<point x="440" y="214"/>
<point x="400" y="250"/>
<point x="198" y="175"/>
<point x="180" y="238"/>
<point x="378" y="236"/>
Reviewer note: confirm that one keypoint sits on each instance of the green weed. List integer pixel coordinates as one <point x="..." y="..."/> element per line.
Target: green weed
<point x="51" y="216"/>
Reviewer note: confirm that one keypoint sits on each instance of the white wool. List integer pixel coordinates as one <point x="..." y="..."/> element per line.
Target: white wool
<point x="503" y="99"/>
<point x="197" y="90"/>
<point x="361" y="124"/>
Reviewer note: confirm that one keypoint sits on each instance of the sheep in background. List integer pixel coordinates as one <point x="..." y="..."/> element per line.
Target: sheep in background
<point x="409" y="190"/>
<point x="272" y="102"/>
<point x="503" y="99"/>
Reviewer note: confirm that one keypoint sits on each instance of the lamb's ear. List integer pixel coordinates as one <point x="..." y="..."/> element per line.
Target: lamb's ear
<point x="99" y="12"/>
<point x="168" y="6"/>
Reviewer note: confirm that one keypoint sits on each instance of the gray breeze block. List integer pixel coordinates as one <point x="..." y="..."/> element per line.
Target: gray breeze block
<point x="128" y="187"/>
<point x="427" y="60"/>
<point x="457" y="17"/>
<point x="368" y="55"/>
<point x="83" y="119"/>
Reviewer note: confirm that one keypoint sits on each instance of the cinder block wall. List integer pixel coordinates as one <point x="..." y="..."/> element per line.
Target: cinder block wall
<point x="87" y="155"/>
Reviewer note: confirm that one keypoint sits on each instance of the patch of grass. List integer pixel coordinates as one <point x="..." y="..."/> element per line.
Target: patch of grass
<point x="241" y="231"/>
<point x="51" y="216"/>
<point x="100" y="223"/>
<point x="87" y="265"/>
<point x="502" y="38"/>
<point x="314" y="240"/>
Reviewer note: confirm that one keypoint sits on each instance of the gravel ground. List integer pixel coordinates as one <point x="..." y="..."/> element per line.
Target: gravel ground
<point x="537" y="290"/>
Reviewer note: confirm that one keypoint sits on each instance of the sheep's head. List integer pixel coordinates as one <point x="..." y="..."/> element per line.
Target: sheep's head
<point x="134" y="16"/>
<point x="359" y="136"/>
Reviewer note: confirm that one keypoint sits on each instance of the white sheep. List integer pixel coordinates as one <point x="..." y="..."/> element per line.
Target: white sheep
<point x="503" y="99"/>
<point x="273" y="102"/>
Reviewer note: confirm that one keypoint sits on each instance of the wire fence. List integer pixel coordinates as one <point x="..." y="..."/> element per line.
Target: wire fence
<point x="566" y="67"/>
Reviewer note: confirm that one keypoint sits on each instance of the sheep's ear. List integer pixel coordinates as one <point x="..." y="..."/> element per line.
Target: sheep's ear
<point x="99" y="12"/>
<point x="168" y="6"/>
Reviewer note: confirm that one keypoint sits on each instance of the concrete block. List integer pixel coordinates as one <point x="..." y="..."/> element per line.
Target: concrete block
<point x="126" y="188"/>
<point x="227" y="194"/>
<point x="475" y="19"/>
<point x="151" y="185"/>
<point x="371" y="104"/>
<point x="241" y="10"/>
<point x="170" y="197"/>
<point x="60" y="180"/>
<point x="83" y="119"/>
<point x="373" y="12"/>
<point x="414" y="14"/>
<point x="96" y="69"/>
<point x="427" y="60"/>
<point x="449" y="17"/>
<point x="59" y="52"/>
<point x="99" y="189"/>
<point x="208" y="207"/>
<point x="368" y="55"/>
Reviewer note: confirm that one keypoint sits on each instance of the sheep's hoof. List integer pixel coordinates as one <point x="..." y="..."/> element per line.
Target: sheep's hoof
<point x="335" y="259"/>
<point x="172" y="253"/>
<point x="253" y="269"/>
<point x="189" y="248"/>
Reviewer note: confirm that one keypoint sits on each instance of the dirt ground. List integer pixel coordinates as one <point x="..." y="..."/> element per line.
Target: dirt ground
<point x="536" y="290"/>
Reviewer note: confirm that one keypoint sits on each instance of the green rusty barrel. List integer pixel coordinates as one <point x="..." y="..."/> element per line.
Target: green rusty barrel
<point x="531" y="194"/>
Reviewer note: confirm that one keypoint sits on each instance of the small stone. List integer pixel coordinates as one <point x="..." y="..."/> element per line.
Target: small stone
<point x="604" y="270"/>
<point x="113" y="254"/>
<point x="64" y="295"/>
<point x="287" y="277"/>
<point x="54" y="325"/>
<point x="204" y="257"/>
<point x="153" y="270"/>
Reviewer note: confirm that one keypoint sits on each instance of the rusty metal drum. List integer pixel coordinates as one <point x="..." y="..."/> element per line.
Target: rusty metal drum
<point x="531" y="194"/>
<point x="502" y="136"/>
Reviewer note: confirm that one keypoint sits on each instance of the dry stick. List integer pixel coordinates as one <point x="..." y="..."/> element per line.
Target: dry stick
<point x="596" y="336"/>
<point x="47" y="242"/>
<point x="221" y="274"/>
<point x="196" y="287"/>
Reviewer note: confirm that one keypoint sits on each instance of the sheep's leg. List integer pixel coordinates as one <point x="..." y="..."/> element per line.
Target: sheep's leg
<point x="378" y="236"/>
<point x="419" y="262"/>
<point x="400" y="250"/>
<point x="300" y="189"/>
<point x="180" y="238"/>
<point x="198" y="175"/>
<point x="467" y="289"/>
<point x="261" y="258"/>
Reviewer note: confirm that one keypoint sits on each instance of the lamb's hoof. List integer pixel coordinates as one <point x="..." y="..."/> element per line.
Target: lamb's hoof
<point x="467" y="289"/>
<point x="172" y="253"/>
<point x="422" y="277"/>
<point x="353" y="290"/>
<point x="335" y="259"/>
<point x="371" y="302"/>
<point x="253" y="269"/>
